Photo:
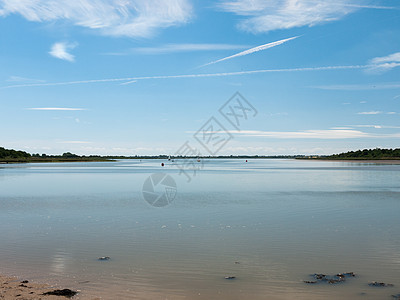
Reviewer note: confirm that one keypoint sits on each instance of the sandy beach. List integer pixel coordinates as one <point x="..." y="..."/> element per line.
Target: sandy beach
<point x="17" y="288"/>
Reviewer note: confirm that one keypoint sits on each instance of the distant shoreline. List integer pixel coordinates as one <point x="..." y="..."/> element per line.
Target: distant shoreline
<point x="111" y="159"/>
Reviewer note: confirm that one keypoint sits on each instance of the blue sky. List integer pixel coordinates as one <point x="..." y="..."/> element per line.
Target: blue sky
<point x="120" y="77"/>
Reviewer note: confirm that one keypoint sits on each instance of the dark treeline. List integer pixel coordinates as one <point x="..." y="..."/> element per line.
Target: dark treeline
<point x="368" y="154"/>
<point x="12" y="154"/>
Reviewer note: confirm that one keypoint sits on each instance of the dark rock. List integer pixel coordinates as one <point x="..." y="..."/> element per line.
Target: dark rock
<point x="380" y="284"/>
<point x="237" y="263"/>
<point x="25" y="281"/>
<point x="65" y="292"/>
<point x="230" y="277"/>
<point x="104" y="258"/>
<point x="331" y="279"/>
<point x="334" y="281"/>
<point x="320" y="276"/>
<point x="22" y="285"/>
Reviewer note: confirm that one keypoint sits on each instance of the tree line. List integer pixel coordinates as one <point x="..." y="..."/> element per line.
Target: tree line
<point x="376" y="153"/>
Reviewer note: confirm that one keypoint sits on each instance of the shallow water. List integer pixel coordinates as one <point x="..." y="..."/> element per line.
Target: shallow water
<point x="281" y="220"/>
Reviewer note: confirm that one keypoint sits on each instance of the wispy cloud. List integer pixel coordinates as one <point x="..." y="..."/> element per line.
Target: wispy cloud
<point x="173" y="48"/>
<point x="127" y="79"/>
<point x="264" y="16"/>
<point x="134" y="18"/>
<point x="56" y="109"/>
<point x="307" y="134"/>
<point x="253" y="50"/>
<point x="384" y="63"/>
<point x="23" y="79"/>
<point x="327" y="134"/>
<point x="61" y="50"/>
<point x="359" y="87"/>
<point x="74" y="142"/>
<point x="376" y="126"/>
<point x="376" y="112"/>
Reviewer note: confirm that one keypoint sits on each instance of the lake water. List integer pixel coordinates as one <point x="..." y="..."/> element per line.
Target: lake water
<point x="269" y="223"/>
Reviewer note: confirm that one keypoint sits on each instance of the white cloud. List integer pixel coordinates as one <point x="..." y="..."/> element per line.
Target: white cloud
<point x="264" y="16"/>
<point x="56" y="108"/>
<point x="385" y="59"/>
<point x="384" y="63"/>
<point x="60" y="50"/>
<point x="253" y="50"/>
<point x="376" y="112"/>
<point x="134" y="18"/>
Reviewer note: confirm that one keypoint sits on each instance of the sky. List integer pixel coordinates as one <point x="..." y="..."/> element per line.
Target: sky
<point x="142" y="77"/>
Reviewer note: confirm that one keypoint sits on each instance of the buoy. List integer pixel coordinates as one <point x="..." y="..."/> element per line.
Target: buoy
<point x="162" y="164"/>
<point x="246" y="160"/>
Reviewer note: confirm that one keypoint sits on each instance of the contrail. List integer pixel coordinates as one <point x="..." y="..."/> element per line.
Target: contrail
<point x="252" y="50"/>
<point x="133" y="79"/>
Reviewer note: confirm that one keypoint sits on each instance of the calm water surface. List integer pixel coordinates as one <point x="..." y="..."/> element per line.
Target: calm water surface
<point x="280" y="219"/>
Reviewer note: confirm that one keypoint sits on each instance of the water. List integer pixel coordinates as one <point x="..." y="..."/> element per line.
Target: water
<point x="281" y="220"/>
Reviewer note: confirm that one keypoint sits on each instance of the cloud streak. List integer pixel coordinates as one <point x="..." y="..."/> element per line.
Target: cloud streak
<point x="133" y="18"/>
<point x="376" y="126"/>
<point x="127" y="79"/>
<point x="23" y="79"/>
<point x="359" y="87"/>
<point x="328" y="134"/>
<point x="176" y="48"/>
<point x="74" y="142"/>
<point x="252" y="50"/>
<point x="370" y="113"/>
<point x="56" y="109"/>
<point x="61" y="51"/>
